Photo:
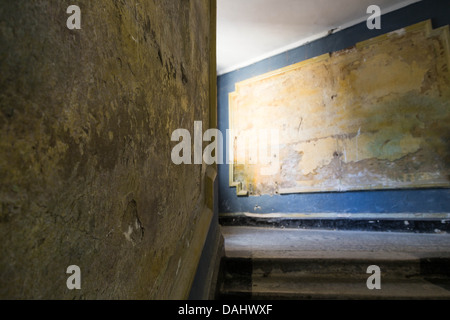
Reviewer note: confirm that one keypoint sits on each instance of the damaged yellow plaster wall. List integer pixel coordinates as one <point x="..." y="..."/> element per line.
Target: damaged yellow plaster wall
<point x="374" y="116"/>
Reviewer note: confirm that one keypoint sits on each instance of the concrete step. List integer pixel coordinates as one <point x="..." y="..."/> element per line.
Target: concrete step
<point x="335" y="288"/>
<point x="349" y="268"/>
<point x="281" y="278"/>
<point x="265" y="263"/>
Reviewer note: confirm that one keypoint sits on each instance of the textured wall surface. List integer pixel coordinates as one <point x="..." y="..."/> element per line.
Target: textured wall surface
<point x="86" y="118"/>
<point x="370" y="117"/>
<point x="382" y="201"/>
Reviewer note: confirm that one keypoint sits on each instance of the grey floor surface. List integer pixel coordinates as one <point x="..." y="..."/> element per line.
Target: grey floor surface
<point x="289" y="243"/>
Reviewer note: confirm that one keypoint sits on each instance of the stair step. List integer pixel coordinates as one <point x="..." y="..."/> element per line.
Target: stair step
<point x="265" y="278"/>
<point x="264" y="263"/>
<point x="351" y="268"/>
<point x="246" y="242"/>
<point x="335" y="288"/>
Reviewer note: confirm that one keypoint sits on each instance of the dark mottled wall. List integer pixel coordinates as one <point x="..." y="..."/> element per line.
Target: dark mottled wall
<point x="86" y="118"/>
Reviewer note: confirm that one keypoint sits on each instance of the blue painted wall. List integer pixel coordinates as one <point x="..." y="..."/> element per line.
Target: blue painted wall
<point x="386" y="201"/>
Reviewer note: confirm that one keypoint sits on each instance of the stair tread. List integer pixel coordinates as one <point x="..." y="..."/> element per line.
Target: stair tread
<point x="251" y="242"/>
<point x="271" y="263"/>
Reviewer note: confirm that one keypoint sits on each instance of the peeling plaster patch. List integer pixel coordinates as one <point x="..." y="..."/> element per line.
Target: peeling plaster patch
<point x="128" y="234"/>
<point x="398" y="33"/>
<point x="137" y="225"/>
<point x="358" y="132"/>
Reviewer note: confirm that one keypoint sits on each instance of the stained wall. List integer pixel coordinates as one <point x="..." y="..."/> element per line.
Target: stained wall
<point x="370" y="117"/>
<point x="86" y="118"/>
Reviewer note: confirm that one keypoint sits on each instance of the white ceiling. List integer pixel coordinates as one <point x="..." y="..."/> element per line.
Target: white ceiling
<point x="251" y="30"/>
